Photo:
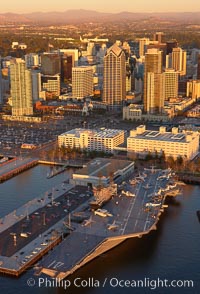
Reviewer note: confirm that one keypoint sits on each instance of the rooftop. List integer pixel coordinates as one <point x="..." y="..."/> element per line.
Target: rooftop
<point x="103" y="167"/>
<point x="115" y="49"/>
<point x="163" y="136"/>
<point x="97" y="133"/>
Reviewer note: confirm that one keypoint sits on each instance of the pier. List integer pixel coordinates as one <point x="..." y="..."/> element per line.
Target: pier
<point x="16" y="166"/>
<point x="66" y="164"/>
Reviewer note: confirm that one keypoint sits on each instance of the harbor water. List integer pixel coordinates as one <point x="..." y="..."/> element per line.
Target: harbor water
<point x="171" y="252"/>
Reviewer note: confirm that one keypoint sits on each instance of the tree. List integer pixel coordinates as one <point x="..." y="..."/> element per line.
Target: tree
<point x="179" y="161"/>
<point x="171" y="161"/>
<point x="148" y="156"/>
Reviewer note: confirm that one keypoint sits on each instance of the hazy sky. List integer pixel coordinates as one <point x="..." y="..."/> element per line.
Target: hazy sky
<point x="20" y="6"/>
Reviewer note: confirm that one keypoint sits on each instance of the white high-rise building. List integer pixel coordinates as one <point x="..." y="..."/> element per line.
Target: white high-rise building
<point x="21" y="88"/>
<point x="82" y="81"/>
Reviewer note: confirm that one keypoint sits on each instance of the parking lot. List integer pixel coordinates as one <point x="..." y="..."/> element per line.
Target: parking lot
<point x="36" y="223"/>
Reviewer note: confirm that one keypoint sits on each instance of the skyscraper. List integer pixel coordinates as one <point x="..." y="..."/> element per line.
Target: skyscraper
<point x="158" y="37"/>
<point x="170" y="84"/>
<point x="153" y="96"/>
<point x="114" y="80"/>
<point x="21" y="88"/>
<point x="36" y="84"/>
<point x="82" y="81"/>
<point x="170" y="45"/>
<point x="142" y="43"/>
<point x="179" y="60"/>
<point x="71" y="52"/>
<point x="31" y="59"/>
<point x="193" y="89"/>
<point x="50" y="63"/>
<point x="66" y="67"/>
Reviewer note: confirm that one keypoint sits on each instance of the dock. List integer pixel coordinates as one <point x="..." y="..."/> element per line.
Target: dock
<point x="16" y="166"/>
<point x="66" y="163"/>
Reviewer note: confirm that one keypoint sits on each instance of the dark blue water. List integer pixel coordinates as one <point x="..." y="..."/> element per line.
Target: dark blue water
<point x="171" y="252"/>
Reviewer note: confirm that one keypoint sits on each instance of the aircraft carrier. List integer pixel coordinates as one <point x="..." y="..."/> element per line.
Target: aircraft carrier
<point x="131" y="212"/>
<point x="66" y="219"/>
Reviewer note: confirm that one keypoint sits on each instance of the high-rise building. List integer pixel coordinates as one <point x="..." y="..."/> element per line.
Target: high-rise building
<point x="66" y="67"/>
<point x="114" y="80"/>
<point x="161" y="47"/>
<point x="50" y="63"/>
<point x="179" y="60"/>
<point x="101" y="53"/>
<point x="198" y="68"/>
<point x="142" y="43"/>
<point x="193" y="89"/>
<point x="71" y="52"/>
<point x="82" y="81"/>
<point x="36" y="85"/>
<point x="158" y="37"/>
<point x="31" y="59"/>
<point x="170" y="45"/>
<point x="153" y="96"/>
<point x="91" y="49"/>
<point x="170" y="84"/>
<point x="21" y="88"/>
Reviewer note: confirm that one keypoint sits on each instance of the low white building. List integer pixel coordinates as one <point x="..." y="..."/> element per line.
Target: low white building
<point x="103" y="171"/>
<point x="92" y="140"/>
<point x="175" y="143"/>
